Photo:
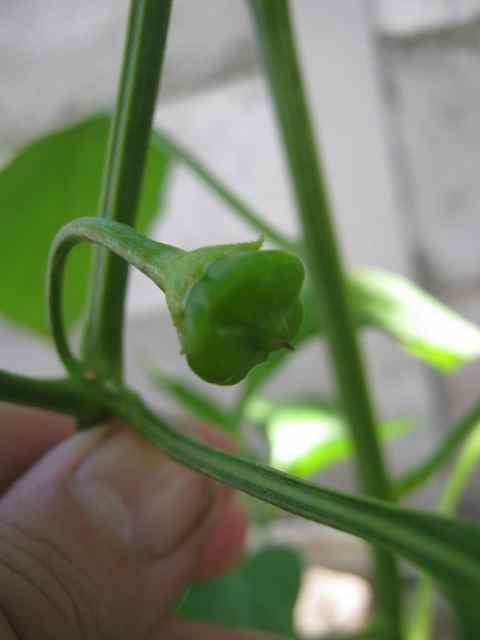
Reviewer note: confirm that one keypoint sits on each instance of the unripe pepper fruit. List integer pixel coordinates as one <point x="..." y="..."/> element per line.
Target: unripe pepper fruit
<point x="243" y="306"/>
<point x="231" y="304"/>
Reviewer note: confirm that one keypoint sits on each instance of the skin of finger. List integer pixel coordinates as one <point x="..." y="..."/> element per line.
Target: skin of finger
<point x="75" y="573"/>
<point x="177" y="629"/>
<point x="37" y="431"/>
<point x="26" y="434"/>
<point x="225" y="544"/>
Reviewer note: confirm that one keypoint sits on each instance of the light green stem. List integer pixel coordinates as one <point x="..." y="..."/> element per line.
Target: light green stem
<point x="448" y="549"/>
<point x="124" y="168"/>
<point x="238" y="206"/>
<point x="422" y="619"/>
<point x="457" y="433"/>
<point x="146" y="255"/>
<point x="325" y="267"/>
<point x="56" y="394"/>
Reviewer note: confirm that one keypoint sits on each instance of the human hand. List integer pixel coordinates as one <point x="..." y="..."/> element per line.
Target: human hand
<point x="100" y="533"/>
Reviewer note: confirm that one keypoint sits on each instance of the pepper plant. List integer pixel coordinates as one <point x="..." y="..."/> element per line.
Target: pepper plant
<point x="239" y="310"/>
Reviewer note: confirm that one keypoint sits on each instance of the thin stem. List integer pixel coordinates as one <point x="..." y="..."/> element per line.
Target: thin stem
<point x="325" y="266"/>
<point x="223" y="192"/>
<point x="414" y="478"/>
<point x="129" y="137"/>
<point x="422" y="620"/>
<point x="62" y="395"/>
<point x="146" y="255"/>
<point x="447" y="548"/>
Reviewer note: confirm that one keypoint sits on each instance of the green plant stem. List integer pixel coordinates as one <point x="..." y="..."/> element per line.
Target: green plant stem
<point x="283" y="72"/>
<point x="416" y="477"/>
<point x="422" y="619"/>
<point x="124" y="168"/>
<point x="231" y="199"/>
<point x="57" y="394"/>
<point x="146" y="255"/>
<point x="446" y="548"/>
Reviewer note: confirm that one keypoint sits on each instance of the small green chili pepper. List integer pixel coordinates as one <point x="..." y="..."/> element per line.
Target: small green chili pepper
<point x="241" y="309"/>
<point x="231" y="304"/>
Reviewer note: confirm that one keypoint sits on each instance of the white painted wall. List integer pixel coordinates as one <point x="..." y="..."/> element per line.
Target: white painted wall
<point x="429" y="61"/>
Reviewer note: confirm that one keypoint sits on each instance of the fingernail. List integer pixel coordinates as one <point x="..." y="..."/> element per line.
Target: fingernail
<point x="149" y="501"/>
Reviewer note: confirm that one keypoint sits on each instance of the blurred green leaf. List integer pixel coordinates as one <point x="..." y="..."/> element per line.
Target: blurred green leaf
<point x="426" y="328"/>
<point x="191" y="398"/>
<point x="52" y="180"/>
<point x="259" y="594"/>
<point x="423" y="326"/>
<point x="307" y="436"/>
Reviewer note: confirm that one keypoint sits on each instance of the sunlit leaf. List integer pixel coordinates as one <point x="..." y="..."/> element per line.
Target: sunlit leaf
<point x="423" y="326"/>
<point x="52" y="180"/>
<point x="259" y="594"/>
<point x="308" y="436"/>
<point x="426" y="328"/>
<point x="191" y="398"/>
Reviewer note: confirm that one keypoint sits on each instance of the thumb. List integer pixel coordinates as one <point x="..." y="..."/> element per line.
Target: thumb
<point x="100" y="538"/>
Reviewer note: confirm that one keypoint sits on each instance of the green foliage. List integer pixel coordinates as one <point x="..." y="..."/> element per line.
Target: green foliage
<point x="57" y="178"/>
<point x="258" y="594"/>
<point x="51" y="181"/>
<point x="197" y="403"/>
<point x="307" y="436"/>
<point x="386" y="302"/>
<point x="423" y="326"/>
<point x="421" y="620"/>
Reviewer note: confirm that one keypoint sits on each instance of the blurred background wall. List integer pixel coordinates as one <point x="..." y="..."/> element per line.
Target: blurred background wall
<point x="428" y="60"/>
<point x="394" y="87"/>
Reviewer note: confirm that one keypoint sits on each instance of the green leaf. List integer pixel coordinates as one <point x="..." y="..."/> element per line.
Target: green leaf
<point x="51" y="181"/>
<point x="191" y="398"/>
<point x="424" y="327"/>
<point x="307" y="436"/>
<point x="259" y="594"/>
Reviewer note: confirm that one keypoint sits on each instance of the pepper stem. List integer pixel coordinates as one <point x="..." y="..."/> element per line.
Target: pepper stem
<point x="122" y="181"/>
<point x="147" y="256"/>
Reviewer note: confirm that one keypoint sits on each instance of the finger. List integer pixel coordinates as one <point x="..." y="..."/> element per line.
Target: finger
<point x="178" y="629"/>
<point x="103" y="526"/>
<point x="25" y="436"/>
<point x="225" y="543"/>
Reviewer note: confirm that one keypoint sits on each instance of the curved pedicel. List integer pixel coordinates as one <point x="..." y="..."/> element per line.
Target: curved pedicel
<point x="231" y="304"/>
